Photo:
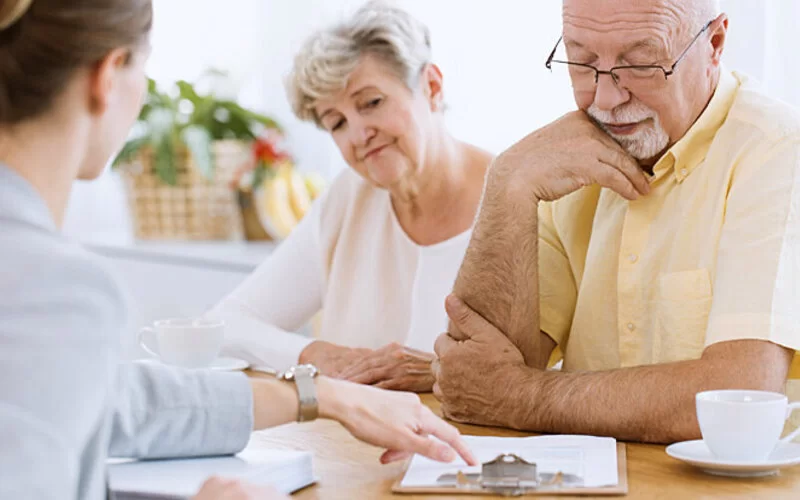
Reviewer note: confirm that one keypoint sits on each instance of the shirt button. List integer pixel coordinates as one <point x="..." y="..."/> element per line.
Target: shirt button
<point x="631" y="327"/>
<point x="633" y="258"/>
<point x="684" y="172"/>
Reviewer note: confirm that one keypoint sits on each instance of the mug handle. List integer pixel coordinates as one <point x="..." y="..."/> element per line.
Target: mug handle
<point x="144" y="337"/>
<point x="789" y="409"/>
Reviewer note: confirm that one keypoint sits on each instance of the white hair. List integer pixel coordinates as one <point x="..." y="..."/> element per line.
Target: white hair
<point x="328" y="58"/>
<point x="702" y="11"/>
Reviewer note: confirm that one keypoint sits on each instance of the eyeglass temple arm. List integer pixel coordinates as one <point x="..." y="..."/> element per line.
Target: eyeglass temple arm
<point x="686" y="50"/>
<point x="549" y="61"/>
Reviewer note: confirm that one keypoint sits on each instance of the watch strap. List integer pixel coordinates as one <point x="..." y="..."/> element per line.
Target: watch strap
<point x="307" y="395"/>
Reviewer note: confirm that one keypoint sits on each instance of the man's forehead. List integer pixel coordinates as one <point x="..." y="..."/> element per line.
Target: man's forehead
<point x="622" y="26"/>
<point x="610" y="15"/>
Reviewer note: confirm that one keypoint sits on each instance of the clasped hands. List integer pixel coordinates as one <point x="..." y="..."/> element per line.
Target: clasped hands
<point x="393" y="367"/>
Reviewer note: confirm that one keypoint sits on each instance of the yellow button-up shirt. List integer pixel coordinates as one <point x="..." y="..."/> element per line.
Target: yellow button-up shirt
<point x="711" y="254"/>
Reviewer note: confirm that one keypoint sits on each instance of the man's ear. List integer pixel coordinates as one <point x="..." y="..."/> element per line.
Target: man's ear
<point x="104" y="76"/>
<point x="433" y="85"/>
<point x="718" y="38"/>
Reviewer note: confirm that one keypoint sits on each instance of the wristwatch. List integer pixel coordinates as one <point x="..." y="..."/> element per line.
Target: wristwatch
<point x="303" y="377"/>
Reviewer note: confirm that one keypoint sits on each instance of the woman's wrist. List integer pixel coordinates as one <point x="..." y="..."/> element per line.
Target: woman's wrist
<point x="307" y="354"/>
<point x="332" y="396"/>
<point x="274" y="403"/>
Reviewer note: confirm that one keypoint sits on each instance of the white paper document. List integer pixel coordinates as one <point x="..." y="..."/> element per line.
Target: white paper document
<point x="594" y="459"/>
<point x="286" y="470"/>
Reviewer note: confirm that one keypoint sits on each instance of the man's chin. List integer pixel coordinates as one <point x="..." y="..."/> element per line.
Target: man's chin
<point x="639" y="147"/>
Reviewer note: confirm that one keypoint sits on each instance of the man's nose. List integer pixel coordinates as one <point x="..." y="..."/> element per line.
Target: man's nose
<point x="608" y="95"/>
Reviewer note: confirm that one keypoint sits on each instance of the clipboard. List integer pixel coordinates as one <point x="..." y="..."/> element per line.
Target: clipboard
<point x="509" y="475"/>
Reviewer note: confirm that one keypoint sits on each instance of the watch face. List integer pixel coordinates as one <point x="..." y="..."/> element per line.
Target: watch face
<point x="307" y="369"/>
<point x="303" y="370"/>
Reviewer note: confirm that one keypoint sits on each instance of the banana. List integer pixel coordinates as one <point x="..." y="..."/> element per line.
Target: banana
<point x="275" y="209"/>
<point x="315" y="184"/>
<point x="299" y="198"/>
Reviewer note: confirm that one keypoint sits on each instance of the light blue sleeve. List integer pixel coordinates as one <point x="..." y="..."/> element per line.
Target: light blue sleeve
<point x="164" y="412"/>
<point x="59" y="321"/>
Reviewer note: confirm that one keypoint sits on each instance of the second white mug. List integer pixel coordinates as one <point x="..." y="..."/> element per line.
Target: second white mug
<point x="189" y="343"/>
<point x="744" y="426"/>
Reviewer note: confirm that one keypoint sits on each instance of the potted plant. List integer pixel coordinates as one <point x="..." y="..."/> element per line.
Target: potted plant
<point x="178" y="163"/>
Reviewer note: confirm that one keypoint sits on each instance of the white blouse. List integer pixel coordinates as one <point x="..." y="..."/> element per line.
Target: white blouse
<point x="351" y="258"/>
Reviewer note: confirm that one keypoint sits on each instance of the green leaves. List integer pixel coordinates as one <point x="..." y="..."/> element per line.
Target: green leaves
<point x="198" y="141"/>
<point x="164" y="159"/>
<point x="129" y="151"/>
<point x="186" y="118"/>
<point x="162" y="133"/>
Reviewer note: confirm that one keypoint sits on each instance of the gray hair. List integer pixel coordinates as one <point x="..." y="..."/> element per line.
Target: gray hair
<point x="328" y="58"/>
<point x="703" y="11"/>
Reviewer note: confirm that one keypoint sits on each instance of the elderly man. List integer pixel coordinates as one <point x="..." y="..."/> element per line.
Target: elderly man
<point x="652" y="236"/>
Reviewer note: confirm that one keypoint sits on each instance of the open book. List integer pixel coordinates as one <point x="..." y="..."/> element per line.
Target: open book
<point x="287" y="471"/>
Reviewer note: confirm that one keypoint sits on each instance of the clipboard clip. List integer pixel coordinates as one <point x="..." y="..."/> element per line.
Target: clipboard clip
<point x="510" y="475"/>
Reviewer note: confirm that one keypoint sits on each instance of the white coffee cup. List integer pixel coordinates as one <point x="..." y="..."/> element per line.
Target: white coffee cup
<point x="190" y="343"/>
<point x="743" y="426"/>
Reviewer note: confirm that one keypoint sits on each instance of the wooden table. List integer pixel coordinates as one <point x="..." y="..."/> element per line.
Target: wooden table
<point x="349" y="470"/>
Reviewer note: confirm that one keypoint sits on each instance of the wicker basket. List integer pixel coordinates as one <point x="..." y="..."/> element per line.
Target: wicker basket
<point x="196" y="208"/>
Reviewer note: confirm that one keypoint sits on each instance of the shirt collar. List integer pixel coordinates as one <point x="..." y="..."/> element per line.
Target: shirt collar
<point x="19" y="201"/>
<point x="690" y="151"/>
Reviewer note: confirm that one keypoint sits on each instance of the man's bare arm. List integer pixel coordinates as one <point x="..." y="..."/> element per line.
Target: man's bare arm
<point x="650" y="403"/>
<point x="499" y="277"/>
<point x="484" y="380"/>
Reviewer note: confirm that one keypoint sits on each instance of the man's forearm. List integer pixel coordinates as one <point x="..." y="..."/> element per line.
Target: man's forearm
<point x="649" y="403"/>
<point x="499" y="276"/>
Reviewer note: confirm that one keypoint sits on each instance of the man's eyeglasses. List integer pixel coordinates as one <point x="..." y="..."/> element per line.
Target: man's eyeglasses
<point x="637" y="77"/>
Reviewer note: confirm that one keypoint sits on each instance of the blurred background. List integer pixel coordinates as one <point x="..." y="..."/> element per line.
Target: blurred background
<point x="178" y="247"/>
<point x="491" y="53"/>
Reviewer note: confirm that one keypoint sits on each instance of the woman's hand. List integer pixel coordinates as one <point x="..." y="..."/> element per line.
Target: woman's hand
<point x="396" y="421"/>
<point x="330" y="359"/>
<point x="393" y="367"/>
<point x="233" y="489"/>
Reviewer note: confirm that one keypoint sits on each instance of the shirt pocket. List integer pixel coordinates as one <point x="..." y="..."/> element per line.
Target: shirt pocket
<point x="683" y="302"/>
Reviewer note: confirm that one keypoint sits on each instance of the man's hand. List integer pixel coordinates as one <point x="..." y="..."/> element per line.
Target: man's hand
<point x="393" y="367"/>
<point x="332" y="360"/>
<point x="476" y="378"/>
<point x="565" y="156"/>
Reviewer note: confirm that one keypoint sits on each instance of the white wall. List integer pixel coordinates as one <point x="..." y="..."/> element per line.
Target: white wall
<point x="162" y="288"/>
<point x="491" y="52"/>
<point x="763" y="42"/>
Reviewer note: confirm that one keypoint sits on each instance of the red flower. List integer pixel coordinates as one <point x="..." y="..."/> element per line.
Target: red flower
<point x="267" y="152"/>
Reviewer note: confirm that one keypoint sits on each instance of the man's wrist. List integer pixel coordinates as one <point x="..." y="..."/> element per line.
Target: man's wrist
<point x="524" y="397"/>
<point x="509" y="191"/>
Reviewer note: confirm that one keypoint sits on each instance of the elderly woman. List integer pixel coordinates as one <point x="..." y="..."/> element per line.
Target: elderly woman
<point x="380" y="251"/>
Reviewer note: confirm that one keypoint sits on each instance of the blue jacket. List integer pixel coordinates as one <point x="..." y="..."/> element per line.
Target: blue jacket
<point x="66" y="404"/>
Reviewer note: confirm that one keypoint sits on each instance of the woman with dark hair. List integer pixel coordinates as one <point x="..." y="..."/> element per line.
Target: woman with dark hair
<point x="71" y="84"/>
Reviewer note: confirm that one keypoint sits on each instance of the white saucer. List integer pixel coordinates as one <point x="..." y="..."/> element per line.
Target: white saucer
<point x="229" y="364"/>
<point x="697" y="453"/>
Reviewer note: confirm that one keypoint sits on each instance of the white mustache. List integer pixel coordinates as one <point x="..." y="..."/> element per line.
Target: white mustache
<point x="631" y="113"/>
